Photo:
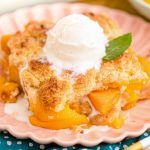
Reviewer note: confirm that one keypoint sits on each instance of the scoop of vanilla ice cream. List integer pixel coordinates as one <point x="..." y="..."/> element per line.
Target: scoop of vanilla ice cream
<point x="75" y="43"/>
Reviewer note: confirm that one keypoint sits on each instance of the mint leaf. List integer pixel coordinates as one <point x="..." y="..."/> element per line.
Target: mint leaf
<point x="117" y="46"/>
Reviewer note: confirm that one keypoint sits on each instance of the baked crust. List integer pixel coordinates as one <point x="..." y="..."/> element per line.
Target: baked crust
<point x="110" y="27"/>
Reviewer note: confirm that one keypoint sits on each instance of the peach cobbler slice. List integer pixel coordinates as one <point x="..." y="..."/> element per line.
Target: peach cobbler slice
<point x="98" y="97"/>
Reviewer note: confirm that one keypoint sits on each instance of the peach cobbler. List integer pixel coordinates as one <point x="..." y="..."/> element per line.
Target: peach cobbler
<point x="77" y="71"/>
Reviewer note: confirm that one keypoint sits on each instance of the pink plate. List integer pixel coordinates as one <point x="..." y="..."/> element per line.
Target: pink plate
<point x="139" y="120"/>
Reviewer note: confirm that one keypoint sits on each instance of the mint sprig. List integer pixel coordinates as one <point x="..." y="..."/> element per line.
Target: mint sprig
<point x="117" y="46"/>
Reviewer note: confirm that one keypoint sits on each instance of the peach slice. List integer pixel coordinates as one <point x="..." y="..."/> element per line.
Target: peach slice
<point x="145" y="64"/>
<point x="105" y="100"/>
<point x="117" y="122"/>
<point x="133" y="93"/>
<point x="8" y="91"/>
<point x="2" y="81"/>
<point x="14" y="74"/>
<point x="129" y="105"/>
<point x="133" y="89"/>
<point x="145" y="93"/>
<point x="4" y="42"/>
<point x="67" y="118"/>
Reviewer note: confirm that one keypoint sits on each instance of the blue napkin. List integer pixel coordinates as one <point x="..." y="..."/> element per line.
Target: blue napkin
<point x="8" y="142"/>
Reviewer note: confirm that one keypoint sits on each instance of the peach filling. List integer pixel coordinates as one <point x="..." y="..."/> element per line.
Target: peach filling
<point x="13" y="70"/>
<point x="67" y="118"/>
<point x="14" y="74"/>
<point x="104" y="101"/>
<point x="145" y="64"/>
<point x="8" y="91"/>
<point x="4" y="43"/>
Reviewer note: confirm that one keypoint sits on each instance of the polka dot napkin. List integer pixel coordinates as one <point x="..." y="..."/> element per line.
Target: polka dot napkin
<point x="8" y="142"/>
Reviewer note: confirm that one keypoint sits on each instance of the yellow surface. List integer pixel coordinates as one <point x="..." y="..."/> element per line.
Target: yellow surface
<point x="136" y="146"/>
<point x="147" y="1"/>
<point x="118" y="4"/>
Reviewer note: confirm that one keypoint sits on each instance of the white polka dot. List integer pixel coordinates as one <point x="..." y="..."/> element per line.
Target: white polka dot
<point x="84" y="149"/>
<point x="98" y="148"/>
<point x="9" y="143"/>
<point x="30" y="144"/>
<point x="117" y="148"/>
<point x="5" y="132"/>
<point x="64" y="149"/>
<point x="19" y="142"/>
<point x="145" y="134"/>
<point x="42" y="146"/>
<point x="73" y="147"/>
<point x="125" y="146"/>
<point x="6" y="137"/>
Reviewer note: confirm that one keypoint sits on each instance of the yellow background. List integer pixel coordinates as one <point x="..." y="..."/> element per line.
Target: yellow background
<point x="119" y="4"/>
